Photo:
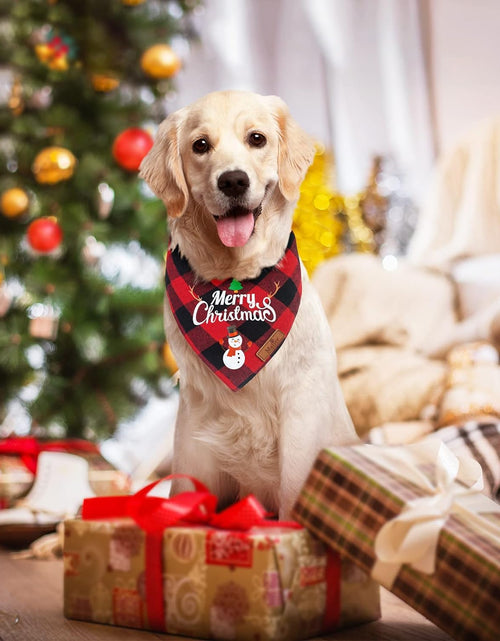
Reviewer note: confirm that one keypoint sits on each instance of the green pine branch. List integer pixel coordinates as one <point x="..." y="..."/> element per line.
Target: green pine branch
<point x="105" y="359"/>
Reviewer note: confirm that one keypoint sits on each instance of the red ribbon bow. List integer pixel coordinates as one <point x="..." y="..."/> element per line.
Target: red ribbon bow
<point x="153" y="514"/>
<point x="29" y="448"/>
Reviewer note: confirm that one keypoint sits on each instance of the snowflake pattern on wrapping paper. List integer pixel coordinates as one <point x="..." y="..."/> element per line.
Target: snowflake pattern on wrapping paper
<point x="221" y="628"/>
<point x="125" y="543"/>
<point x="229" y="548"/>
<point x="231" y="602"/>
<point x="129" y="537"/>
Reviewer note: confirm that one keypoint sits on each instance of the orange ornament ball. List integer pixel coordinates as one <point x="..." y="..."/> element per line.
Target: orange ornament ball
<point x="14" y="202"/>
<point x="160" y="61"/>
<point x="169" y="359"/>
<point x="44" y="235"/>
<point x="130" y="147"/>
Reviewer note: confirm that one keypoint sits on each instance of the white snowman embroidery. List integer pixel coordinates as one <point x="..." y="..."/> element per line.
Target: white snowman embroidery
<point x="234" y="356"/>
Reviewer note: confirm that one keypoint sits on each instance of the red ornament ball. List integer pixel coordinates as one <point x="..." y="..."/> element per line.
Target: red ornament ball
<point x="44" y="234"/>
<point x="130" y="147"/>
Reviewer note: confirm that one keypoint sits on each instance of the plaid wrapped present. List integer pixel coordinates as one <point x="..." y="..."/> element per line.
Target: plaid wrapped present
<point x="479" y="439"/>
<point x="415" y="519"/>
<point x="201" y="580"/>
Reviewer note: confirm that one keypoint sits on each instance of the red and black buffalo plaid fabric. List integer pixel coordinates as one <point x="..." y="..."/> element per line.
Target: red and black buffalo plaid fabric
<point x="235" y="327"/>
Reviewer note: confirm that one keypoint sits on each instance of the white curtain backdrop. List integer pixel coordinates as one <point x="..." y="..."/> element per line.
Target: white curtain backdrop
<point x="351" y="71"/>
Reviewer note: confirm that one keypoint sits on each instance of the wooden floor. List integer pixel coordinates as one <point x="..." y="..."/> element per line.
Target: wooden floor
<point x="31" y="596"/>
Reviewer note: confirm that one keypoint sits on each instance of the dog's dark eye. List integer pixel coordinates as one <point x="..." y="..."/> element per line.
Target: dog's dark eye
<point x="256" y="140"/>
<point x="201" y="146"/>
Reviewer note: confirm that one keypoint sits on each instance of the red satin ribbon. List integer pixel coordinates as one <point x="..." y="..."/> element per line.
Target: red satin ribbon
<point x="333" y="597"/>
<point x="153" y="514"/>
<point x="28" y="448"/>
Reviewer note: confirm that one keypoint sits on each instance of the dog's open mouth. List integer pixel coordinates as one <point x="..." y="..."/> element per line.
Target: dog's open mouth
<point x="236" y="226"/>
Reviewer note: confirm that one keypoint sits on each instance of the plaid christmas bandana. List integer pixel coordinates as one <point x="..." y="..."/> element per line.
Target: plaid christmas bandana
<point x="235" y="327"/>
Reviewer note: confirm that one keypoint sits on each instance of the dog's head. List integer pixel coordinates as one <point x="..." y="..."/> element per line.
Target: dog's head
<point x="225" y="159"/>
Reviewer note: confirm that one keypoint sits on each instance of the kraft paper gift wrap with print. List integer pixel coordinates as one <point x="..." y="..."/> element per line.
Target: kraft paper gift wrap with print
<point x="267" y="583"/>
<point x="414" y="518"/>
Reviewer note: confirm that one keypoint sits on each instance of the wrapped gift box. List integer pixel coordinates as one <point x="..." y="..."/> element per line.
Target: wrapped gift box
<point x="266" y="583"/>
<point x="414" y="518"/>
<point x="15" y="480"/>
<point x="18" y="457"/>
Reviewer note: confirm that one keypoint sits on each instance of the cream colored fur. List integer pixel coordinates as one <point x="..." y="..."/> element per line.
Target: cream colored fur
<point x="262" y="439"/>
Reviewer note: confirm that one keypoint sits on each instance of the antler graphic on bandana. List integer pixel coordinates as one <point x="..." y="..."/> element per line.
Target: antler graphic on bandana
<point x="276" y="288"/>
<point x="195" y="296"/>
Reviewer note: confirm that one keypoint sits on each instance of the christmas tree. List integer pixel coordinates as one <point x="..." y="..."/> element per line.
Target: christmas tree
<point x="81" y="237"/>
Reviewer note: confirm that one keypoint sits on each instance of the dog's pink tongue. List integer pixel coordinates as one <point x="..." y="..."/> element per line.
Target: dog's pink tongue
<point x="234" y="231"/>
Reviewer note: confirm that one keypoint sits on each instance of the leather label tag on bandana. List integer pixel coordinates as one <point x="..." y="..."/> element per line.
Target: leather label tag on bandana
<point x="235" y="327"/>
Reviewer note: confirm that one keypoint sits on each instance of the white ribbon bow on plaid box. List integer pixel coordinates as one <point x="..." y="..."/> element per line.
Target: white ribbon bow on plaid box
<point x="412" y="536"/>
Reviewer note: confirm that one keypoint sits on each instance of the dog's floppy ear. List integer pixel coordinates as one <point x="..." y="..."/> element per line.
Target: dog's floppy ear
<point x="162" y="167"/>
<point x="296" y="150"/>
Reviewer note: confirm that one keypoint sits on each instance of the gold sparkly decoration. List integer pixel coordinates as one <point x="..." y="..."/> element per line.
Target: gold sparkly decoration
<point x="361" y="236"/>
<point x="374" y="206"/>
<point x="169" y="359"/>
<point x="316" y="224"/>
<point x="326" y="222"/>
<point x="132" y="3"/>
<point x="53" y="164"/>
<point x="104" y="82"/>
<point x="16" y="102"/>
<point x="160" y="61"/>
<point x="14" y="202"/>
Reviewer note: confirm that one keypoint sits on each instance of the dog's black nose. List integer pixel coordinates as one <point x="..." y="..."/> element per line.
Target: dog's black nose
<point x="233" y="183"/>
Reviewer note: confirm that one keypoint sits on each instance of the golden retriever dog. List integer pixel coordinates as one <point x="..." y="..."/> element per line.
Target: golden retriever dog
<point x="228" y="168"/>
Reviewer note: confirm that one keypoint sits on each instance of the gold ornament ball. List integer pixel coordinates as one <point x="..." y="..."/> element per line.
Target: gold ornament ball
<point x="104" y="82"/>
<point x="160" y="61"/>
<point x="132" y="3"/>
<point x="14" y="202"/>
<point x="53" y="164"/>
<point x="169" y="359"/>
